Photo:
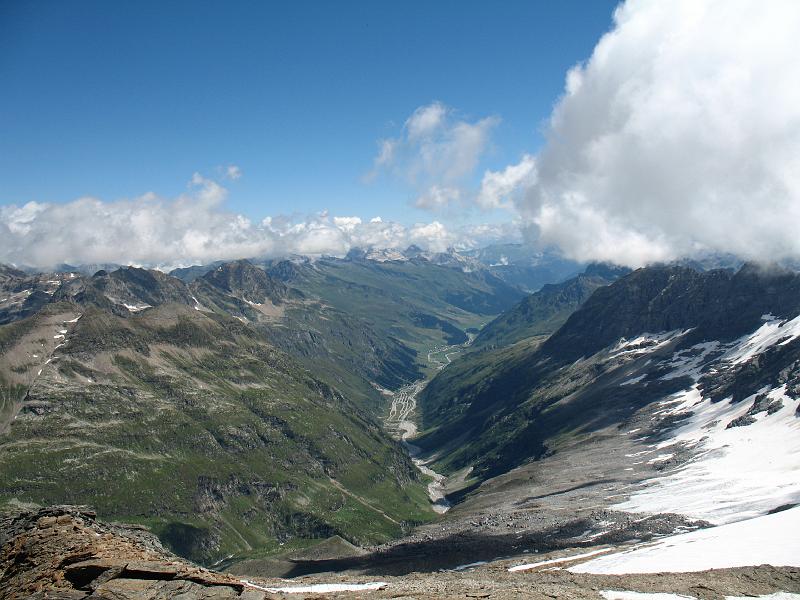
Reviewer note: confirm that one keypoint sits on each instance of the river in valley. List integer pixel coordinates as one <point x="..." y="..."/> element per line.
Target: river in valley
<point x="400" y="421"/>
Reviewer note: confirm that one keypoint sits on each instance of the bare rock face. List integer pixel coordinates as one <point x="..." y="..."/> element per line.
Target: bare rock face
<point x="64" y="552"/>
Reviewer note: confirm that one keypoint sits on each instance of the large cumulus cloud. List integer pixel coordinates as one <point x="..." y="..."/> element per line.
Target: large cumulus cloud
<point x="679" y="135"/>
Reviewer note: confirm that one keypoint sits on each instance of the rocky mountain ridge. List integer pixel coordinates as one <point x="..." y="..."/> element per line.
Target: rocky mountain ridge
<point x="544" y="311"/>
<point x="682" y="306"/>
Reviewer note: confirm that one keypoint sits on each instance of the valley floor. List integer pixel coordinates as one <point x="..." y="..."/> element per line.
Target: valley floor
<point x="400" y="421"/>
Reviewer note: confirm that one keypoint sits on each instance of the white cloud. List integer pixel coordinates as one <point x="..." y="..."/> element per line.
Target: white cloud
<point x="435" y="154"/>
<point x="499" y="187"/>
<point x="680" y="134"/>
<point x="193" y="228"/>
<point x="386" y="153"/>
<point x="426" y="120"/>
<point x="233" y="172"/>
<point x="482" y="234"/>
<point x="436" y="197"/>
<point x="347" y="223"/>
<point x="432" y="235"/>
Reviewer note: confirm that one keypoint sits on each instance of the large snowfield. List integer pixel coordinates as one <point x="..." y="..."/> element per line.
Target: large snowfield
<point x="737" y="473"/>
<point x="770" y="539"/>
<point x="734" y="473"/>
<point x="735" y="476"/>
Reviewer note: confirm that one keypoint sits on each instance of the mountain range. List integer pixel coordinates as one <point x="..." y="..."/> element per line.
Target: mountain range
<point x="235" y="413"/>
<point x="246" y="412"/>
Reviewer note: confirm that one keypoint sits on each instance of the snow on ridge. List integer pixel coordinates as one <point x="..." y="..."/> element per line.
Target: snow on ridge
<point x="136" y="307"/>
<point x="736" y="473"/>
<point x="388" y="254"/>
<point x="769" y="539"/>
<point x="772" y="332"/>
<point x="690" y="362"/>
<point x="646" y="342"/>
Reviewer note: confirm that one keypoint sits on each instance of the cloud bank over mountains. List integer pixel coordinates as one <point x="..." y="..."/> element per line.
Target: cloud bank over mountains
<point x="196" y="228"/>
<point x="679" y="135"/>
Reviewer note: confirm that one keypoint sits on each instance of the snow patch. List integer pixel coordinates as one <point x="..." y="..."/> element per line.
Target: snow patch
<point x="558" y="560"/>
<point x="197" y="305"/>
<point x="689" y="363"/>
<point x="469" y="565"/>
<point x="736" y="473"/>
<point x="645" y="343"/>
<point x="388" y="254"/>
<point x="320" y="588"/>
<point x="770" y="539"/>
<point x="136" y="307"/>
<point x="769" y="334"/>
<point x="660" y="458"/>
<point x="620" y="595"/>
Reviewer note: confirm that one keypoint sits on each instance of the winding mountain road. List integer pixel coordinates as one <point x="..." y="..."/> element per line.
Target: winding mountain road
<point x="400" y="421"/>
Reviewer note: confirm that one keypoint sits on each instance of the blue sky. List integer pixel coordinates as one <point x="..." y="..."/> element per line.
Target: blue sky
<point x="116" y="99"/>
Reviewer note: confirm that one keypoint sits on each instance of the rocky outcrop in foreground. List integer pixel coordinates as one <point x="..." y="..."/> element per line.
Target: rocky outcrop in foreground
<point x="64" y="552"/>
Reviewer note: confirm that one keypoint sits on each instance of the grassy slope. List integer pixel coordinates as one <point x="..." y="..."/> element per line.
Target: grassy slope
<point x="200" y="427"/>
<point x="543" y="312"/>
<point x="193" y="425"/>
<point x="391" y="296"/>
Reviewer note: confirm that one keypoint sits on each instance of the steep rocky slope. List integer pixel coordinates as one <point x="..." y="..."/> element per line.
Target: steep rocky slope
<point x="544" y="311"/>
<point x="65" y="552"/>
<point x="23" y="294"/>
<point x="670" y="397"/>
<point x="535" y="394"/>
